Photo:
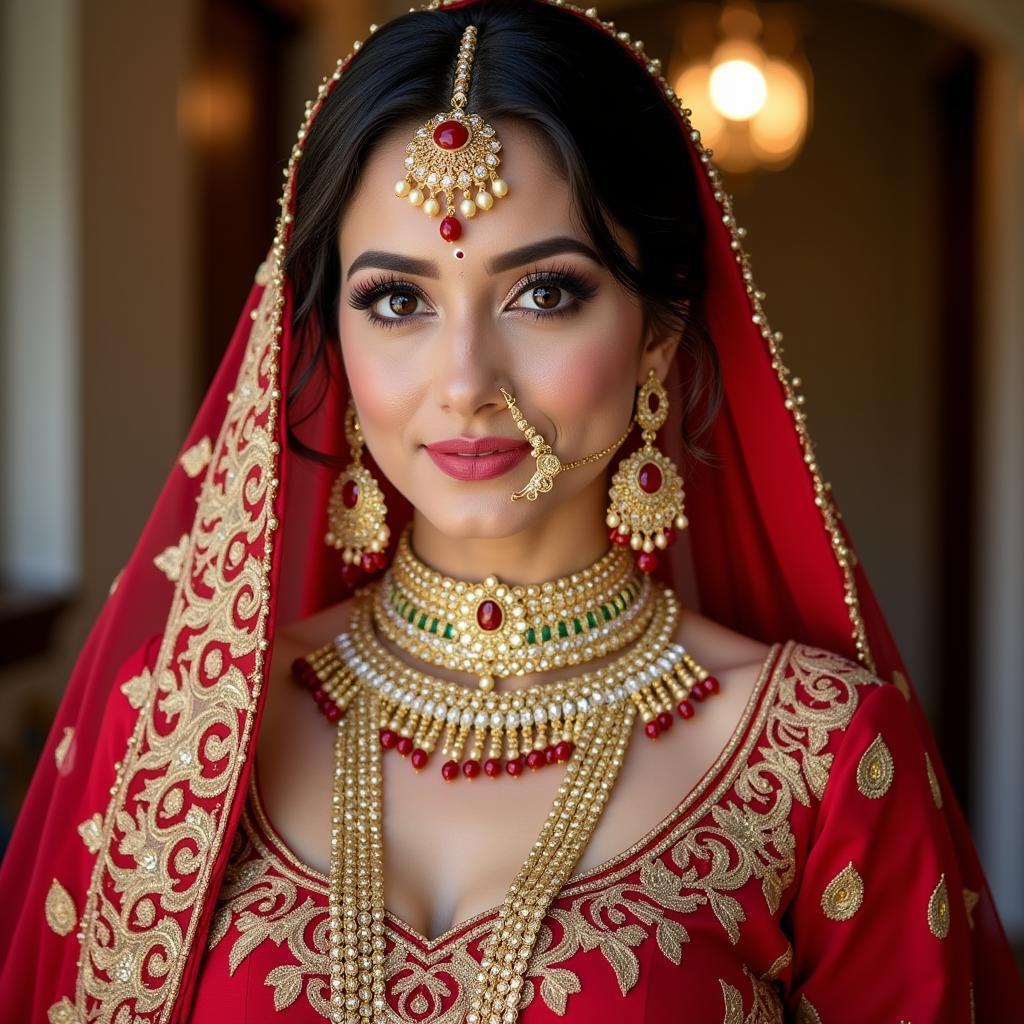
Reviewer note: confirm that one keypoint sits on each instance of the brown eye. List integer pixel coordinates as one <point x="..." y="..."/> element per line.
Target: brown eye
<point x="402" y="303"/>
<point x="546" y="296"/>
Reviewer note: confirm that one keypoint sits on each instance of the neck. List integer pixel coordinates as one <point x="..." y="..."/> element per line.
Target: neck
<point x="567" y="540"/>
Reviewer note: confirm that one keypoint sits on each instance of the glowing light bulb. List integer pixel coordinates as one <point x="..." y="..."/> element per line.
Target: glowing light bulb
<point x="738" y="89"/>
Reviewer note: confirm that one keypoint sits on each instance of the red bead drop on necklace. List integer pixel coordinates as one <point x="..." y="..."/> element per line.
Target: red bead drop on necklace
<point x="404" y="745"/>
<point x="492" y="767"/>
<point x="451" y="229"/>
<point x="652" y="728"/>
<point x="419" y="758"/>
<point x="450" y="770"/>
<point x="388" y="738"/>
<point x="471" y="769"/>
<point x="685" y="709"/>
<point x="451" y="135"/>
<point x="563" y="750"/>
<point x="515" y="766"/>
<point x="664" y="720"/>
<point x="622" y="539"/>
<point x="535" y="759"/>
<point x="489" y="615"/>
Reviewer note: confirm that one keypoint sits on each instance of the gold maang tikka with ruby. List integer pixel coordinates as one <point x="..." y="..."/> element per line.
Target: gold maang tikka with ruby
<point x="454" y="151"/>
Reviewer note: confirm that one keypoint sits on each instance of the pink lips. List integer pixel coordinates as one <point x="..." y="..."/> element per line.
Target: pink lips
<point x="477" y="458"/>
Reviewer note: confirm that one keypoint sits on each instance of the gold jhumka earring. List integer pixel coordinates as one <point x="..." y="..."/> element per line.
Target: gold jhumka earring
<point x="646" y="506"/>
<point x="454" y="150"/>
<point x="356" y="511"/>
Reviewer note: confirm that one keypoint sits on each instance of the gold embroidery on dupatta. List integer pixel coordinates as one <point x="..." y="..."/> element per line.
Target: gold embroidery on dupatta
<point x="806" y="1013"/>
<point x="843" y="895"/>
<point x="900" y="682"/>
<point x="938" y="909"/>
<point x="63" y="1013"/>
<point x="91" y="831"/>
<point x="933" y="782"/>
<point x="875" y="769"/>
<point x="171" y="560"/>
<point x="970" y="902"/>
<point x="159" y="844"/>
<point x="60" y="752"/>
<point x="61" y="914"/>
<point x="195" y="459"/>
<point x="766" y="1007"/>
<point x="137" y="688"/>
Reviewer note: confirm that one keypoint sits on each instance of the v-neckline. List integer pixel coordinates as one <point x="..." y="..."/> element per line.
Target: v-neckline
<point x="776" y="658"/>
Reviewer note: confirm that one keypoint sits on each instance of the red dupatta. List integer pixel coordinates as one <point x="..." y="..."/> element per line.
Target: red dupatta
<point x="108" y="887"/>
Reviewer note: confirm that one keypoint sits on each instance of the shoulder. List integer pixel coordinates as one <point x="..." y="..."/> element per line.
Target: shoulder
<point x="305" y="635"/>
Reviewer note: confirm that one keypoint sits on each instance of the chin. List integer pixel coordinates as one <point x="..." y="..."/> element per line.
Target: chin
<point x="475" y="511"/>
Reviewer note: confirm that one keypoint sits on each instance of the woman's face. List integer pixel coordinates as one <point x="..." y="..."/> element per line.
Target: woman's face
<point x="429" y="338"/>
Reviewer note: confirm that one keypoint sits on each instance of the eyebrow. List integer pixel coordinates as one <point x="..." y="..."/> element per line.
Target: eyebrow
<point x="515" y="258"/>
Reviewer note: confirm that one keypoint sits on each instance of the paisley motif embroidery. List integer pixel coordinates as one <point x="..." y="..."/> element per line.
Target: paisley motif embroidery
<point x="875" y="770"/>
<point x="60" y="752"/>
<point x="843" y="895"/>
<point x="933" y="782"/>
<point x="970" y="902"/>
<point x="61" y="914"/>
<point x="938" y="910"/>
<point x="707" y="849"/>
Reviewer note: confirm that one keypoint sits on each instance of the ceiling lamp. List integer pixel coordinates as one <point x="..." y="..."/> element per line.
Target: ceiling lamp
<point x="750" y="92"/>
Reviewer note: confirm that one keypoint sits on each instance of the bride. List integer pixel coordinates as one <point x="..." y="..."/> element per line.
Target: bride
<point x="585" y="708"/>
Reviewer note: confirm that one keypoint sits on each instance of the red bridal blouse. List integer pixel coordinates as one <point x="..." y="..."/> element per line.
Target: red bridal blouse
<point x="809" y="876"/>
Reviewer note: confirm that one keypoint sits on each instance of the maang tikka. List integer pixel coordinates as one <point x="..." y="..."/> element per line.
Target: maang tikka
<point x="646" y="492"/>
<point x="356" y="511"/>
<point x="454" y="150"/>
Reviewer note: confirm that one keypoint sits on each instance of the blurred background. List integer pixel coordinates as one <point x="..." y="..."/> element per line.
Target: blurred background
<point x="876" y="154"/>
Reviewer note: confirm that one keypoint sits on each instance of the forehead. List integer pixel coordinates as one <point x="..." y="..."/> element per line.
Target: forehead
<point x="537" y="205"/>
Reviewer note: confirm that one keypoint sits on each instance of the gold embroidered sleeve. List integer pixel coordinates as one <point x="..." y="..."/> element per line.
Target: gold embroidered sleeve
<point x="875" y="932"/>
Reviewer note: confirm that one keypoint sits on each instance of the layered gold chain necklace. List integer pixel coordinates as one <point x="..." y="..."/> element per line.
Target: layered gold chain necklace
<point x="379" y="701"/>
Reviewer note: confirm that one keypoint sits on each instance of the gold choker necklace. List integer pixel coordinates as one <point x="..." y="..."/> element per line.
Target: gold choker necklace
<point x="495" y="629"/>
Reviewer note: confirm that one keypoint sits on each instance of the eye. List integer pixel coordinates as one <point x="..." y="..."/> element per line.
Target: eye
<point x="549" y="293"/>
<point x="387" y="301"/>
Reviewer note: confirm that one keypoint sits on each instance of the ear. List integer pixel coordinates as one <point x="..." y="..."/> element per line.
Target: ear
<point x="658" y="351"/>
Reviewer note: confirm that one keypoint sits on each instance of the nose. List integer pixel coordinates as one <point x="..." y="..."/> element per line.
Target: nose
<point x="468" y="367"/>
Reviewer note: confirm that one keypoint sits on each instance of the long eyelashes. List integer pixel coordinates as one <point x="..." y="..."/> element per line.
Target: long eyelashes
<point x="365" y="296"/>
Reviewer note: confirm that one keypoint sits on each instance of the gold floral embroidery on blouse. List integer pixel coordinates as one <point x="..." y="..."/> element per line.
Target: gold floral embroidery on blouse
<point x="60" y="752"/>
<point x="710" y="847"/>
<point x="766" y="1007"/>
<point x="806" y="1013"/>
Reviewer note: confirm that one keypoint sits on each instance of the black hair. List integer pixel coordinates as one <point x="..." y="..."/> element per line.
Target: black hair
<point x="605" y="122"/>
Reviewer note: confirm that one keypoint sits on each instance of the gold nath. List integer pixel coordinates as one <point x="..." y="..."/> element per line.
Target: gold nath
<point x="548" y="463"/>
